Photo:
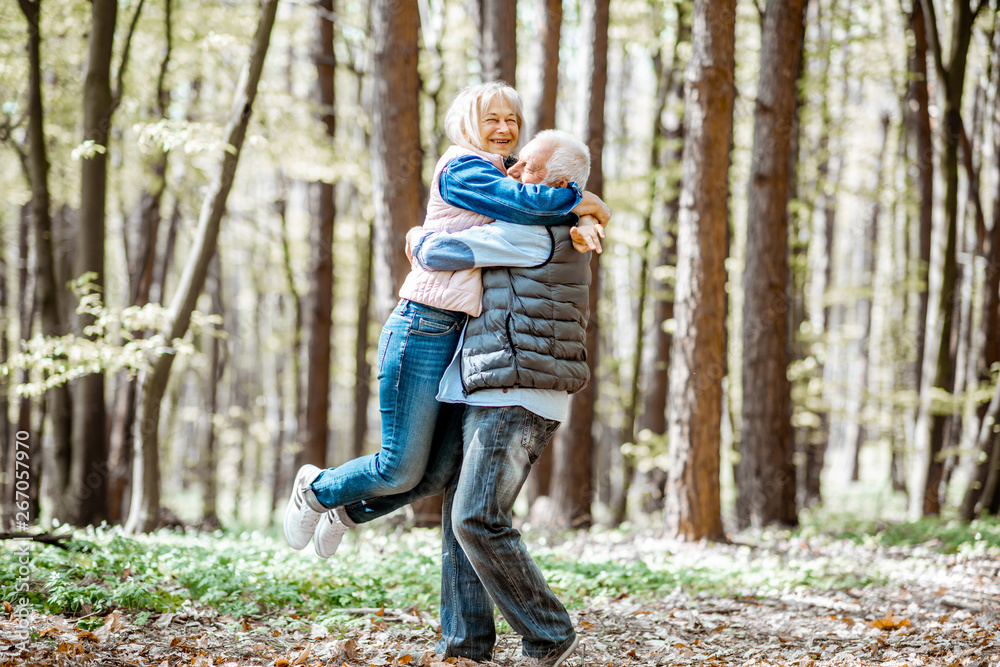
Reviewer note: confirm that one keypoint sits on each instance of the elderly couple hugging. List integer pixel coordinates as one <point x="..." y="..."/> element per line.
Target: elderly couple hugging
<point x="475" y="367"/>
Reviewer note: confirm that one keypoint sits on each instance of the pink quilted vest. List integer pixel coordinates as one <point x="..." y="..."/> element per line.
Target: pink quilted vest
<point x="451" y="290"/>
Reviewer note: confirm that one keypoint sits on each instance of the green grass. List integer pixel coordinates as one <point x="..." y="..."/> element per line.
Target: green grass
<point x="255" y="573"/>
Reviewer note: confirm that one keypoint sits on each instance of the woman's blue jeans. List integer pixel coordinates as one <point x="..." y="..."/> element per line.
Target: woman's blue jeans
<point x="416" y="346"/>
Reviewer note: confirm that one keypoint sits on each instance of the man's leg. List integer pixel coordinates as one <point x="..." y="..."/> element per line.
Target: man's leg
<point x="467" y="627"/>
<point x="500" y="446"/>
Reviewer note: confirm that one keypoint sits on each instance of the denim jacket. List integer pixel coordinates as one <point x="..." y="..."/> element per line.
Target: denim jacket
<point x="472" y="183"/>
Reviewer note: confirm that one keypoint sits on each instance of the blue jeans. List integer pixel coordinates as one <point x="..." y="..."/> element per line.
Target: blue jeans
<point x="484" y="560"/>
<point x="416" y="346"/>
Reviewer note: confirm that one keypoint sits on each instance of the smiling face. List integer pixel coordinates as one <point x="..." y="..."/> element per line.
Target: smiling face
<point x="498" y="127"/>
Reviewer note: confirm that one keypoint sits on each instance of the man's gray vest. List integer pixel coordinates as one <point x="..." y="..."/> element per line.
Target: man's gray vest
<point x="532" y="331"/>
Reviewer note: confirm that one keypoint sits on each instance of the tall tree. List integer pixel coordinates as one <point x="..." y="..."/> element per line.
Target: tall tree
<point x="397" y="188"/>
<point x="497" y="23"/>
<point x="85" y="500"/>
<point x="920" y="127"/>
<point x="766" y="472"/>
<point x="46" y="290"/>
<point x="545" y="53"/>
<point x="574" y="445"/>
<point x="980" y="494"/>
<point x="313" y="427"/>
<point x="145" y="508"/>
<point x="928" y="471"/>
<point x="542" y="116"/>
<point x="699" y="344"/>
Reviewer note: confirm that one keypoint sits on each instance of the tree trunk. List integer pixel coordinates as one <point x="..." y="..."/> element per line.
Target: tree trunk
<point x="975" y="499"/>
<point x="85" y="500"/>
<point x="497" y="23"/>
<point x="142" y="273"/>
<point x="313" y="425"/>
<point x="7" y="447"/>
<point x="863" y="276"/>
<point x="571" y="485"/>
<point x="766" y="471"/>
<point x="397" y="188"/>
<point x="930" y="431"/>
<point x="46" y="290"/>
<point x="208" y="458"/>
<point x="545" y="52"/>
<point x="145" y="507"/>
<point x="920" y="127"/>
<point x="397" y="157"/>
<point x="699" y="345"/>
<point x="362" y="369"/>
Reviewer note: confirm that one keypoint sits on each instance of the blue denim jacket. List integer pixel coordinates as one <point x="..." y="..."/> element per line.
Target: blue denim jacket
<point x="472" y="183"/>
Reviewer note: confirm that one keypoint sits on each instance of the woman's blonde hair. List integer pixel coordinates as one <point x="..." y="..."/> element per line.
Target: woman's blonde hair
<point x="461" y="123"/>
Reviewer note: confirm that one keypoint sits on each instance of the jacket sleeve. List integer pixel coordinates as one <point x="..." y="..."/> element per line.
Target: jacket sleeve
<point x="499" y="244"/>
<point x="472" y="183"/>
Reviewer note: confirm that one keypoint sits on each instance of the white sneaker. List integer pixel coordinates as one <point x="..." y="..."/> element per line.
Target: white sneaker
<point x="554" y="659"/>
<point x="300" y="519"/>
<point x="328" y="534"/>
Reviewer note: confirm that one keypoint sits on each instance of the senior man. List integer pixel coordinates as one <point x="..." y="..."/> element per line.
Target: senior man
<point x="513" y="372"/>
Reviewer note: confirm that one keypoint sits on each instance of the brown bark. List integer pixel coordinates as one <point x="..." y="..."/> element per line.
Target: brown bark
<point x="928" y="469"/>
<point x="85" y="499"/>
<point x="549" y="15"/>
<point x="313" y="428"/>
<point x="920" y="127"/>
<point x="766" y="472"/>
<point x="145" y="507"/>
<point x="978" y="493"/>
<point x="207" y="455"/>
<point x="46" y="286"/>
<point x="699" y="349"/>
<point x="397" y="188"/>
<point x="498" y="40"/>
<point x="571" y="485"/>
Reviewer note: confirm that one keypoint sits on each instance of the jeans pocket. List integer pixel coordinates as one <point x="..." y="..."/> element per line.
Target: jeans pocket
<point x="542" y="432"/>
<point x="430" y="325"/>
<point x="383" y="346"/>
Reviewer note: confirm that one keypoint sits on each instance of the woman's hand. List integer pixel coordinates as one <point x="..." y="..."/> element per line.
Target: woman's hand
<point x="412" y="237"/>
<point x="593" y="205"/>
<point x="587" y="235"/>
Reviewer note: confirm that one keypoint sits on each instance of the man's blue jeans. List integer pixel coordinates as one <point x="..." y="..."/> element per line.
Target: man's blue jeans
<point x="500" y="444"/>
<point x="416" y="346"/>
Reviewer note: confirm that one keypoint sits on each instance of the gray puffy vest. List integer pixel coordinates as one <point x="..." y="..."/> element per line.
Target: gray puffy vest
<point x="532" y="331"/>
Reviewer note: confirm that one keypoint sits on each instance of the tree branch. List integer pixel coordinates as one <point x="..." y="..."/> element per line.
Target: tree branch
<point x="931" y="26"/>
<point x="116" y="97"/>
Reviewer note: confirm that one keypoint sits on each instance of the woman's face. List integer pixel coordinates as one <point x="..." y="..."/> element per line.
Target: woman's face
<point x="498" y="128"/>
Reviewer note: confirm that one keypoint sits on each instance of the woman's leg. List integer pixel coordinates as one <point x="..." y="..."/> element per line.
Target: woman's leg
<point x="416" y="346"/>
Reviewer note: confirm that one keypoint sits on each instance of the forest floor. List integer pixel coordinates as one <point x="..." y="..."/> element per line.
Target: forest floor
<point x="854" y="603"/>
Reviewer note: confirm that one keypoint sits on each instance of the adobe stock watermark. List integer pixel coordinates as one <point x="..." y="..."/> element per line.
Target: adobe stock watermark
<point x="22" y="521"/>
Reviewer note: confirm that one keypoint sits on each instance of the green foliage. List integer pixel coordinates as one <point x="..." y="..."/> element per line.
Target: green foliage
<point x="944" y="535"/>
<point x="237" y="575"/>
<point x="129" y="339"/>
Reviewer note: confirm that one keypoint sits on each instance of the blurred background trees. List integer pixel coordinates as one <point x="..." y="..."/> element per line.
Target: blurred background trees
<point x="202" y="219"/>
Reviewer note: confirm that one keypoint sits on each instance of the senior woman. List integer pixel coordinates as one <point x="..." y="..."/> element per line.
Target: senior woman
<point x="469" y="188"/>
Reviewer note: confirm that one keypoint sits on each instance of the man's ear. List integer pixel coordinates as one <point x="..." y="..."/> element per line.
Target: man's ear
<point x="561" y="183"/>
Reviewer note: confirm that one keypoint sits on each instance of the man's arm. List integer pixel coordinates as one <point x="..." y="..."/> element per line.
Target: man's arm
<point x="498" y="244"/>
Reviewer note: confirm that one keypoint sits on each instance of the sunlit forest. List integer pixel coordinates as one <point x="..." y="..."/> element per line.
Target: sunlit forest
<point x="788" y="451"/>
<point x="203" y="217"/>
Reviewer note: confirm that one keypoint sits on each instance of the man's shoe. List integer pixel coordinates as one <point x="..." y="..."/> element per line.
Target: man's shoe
<point x="328" y="534"/>
<point x="300" y="519"/>
<point x="555" y="658"/>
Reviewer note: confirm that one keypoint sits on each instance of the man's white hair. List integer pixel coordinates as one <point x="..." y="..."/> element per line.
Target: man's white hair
<point x="570" y="158"/>
<point x="461" y="123"/>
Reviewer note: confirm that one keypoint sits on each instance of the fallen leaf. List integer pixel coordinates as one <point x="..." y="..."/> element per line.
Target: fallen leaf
<point x="84" y="634"/>
<point x="281" y="662"/>
<point x="302" y="657"/>
<point x="890" y="622"/>
<point x="113" y="622"/>
<point x="7" y="607"/>
<point x="405" y="659"/>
